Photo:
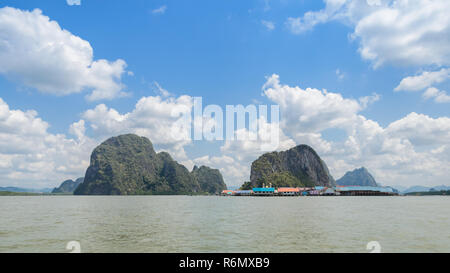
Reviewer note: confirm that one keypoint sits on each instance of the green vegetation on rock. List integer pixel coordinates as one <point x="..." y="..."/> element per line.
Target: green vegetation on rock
<point x="210" y="180"/>
<point x="128" y="165"/>
<point x="282" y="179"/>
<point x="297" y="167"/>
<point x="246" y="186"/>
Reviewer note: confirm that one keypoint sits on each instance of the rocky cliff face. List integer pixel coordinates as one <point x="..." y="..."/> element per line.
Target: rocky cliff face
<point x="128" y="165"/>
<point x="358" y="177"/>
<point x="210" y="180"/>
<point x="297" y="167"/>
<point x="68" y="186"/>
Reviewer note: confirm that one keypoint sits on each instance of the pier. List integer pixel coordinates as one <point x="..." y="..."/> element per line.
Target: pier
<point x="314" y="191"/>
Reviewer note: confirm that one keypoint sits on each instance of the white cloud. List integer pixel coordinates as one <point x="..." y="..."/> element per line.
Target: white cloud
<point x="368" y="100"/>
<point x="401" y="32"/>
<point x="408" y="151"/>
<point x="233" y="171"/>
<point x="160" y="10"/>
<point x="310" y="19"/>
<point x="74" y="2"/>
<point x="153" y="117"/>
<point x="38" y="53"/>
<point x="411" y="150"/>
<point x="248" y="145"/>
<point x="424" y="80"/>
<point x="268" y="25"/>
<point x="436" y="94"/>
<point x="78" y="129"/>
<point x="33" y="157"/>
<point x="311" y="110"/>
<point x="421" y="129"/>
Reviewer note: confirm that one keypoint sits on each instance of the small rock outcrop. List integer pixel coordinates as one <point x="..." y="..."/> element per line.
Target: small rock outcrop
<point x="68" y="186"/>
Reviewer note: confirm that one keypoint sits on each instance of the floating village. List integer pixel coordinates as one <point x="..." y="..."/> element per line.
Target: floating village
<point x="314" y="191"/>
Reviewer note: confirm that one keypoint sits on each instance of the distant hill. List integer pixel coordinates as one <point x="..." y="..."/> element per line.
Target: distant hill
<point x="296" y="167"/>
<point x="68" y="186"/>
<point x="128" y="165"/>
<point x="25" y="190"/>
<point x="426" y="189"/>
<point x="358" y="177"/>
<point x="9" y="193"/>
<point x="400" y="188"/>
<point x="429" y="193"/>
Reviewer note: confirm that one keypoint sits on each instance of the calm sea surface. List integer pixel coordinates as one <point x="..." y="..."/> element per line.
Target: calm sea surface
<point x="224" y="224"/>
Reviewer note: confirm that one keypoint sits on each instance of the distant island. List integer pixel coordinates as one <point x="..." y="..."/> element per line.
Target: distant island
<point x="358" y="177"/>
<point x="128" y="165"/>
<point x="10" y="193"/>
<point x="68" y="186"/>
<point x="429" y="193"/>
<point x="296" y="167"/>
<point x="25" y="190"/>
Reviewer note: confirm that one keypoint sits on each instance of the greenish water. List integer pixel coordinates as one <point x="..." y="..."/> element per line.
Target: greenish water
<point x="224" y="224"/>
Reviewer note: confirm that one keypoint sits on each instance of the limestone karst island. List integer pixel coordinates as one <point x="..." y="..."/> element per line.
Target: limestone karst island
<point x="129" y="165"/>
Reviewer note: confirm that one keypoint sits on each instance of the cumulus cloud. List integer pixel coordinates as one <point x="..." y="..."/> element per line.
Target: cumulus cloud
<point x="421" y="129"/>
<point x="368" y="100"/>
<point x="157" y="117"/>
<point x="411" y="150"/>
<point x="305" y="113"/>
<point x="33" y="157"/>
<point x="233" y="170"/>
<point x="407" y="151"/>
<point x="154" y="117"/>
<point x="437" y="95"/>
<point x="401" y="32"/>
<point x="311" y="110"/>
<point x="37" y="52"/>
<point x="248" y="145"/>
<point x="74" y="2"/>
<point x="424" y="80"/>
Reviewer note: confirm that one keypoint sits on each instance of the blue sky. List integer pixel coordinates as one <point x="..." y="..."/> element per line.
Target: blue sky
<point x="224" y="52"/>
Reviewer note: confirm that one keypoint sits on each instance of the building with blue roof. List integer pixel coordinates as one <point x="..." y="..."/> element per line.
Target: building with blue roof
<point x="243" y="193"/>
<point x="264" y="191"/>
